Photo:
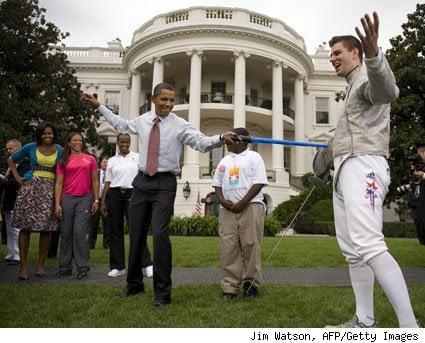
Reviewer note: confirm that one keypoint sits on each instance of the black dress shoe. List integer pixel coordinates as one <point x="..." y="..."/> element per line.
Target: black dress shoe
<point x="13" y="263"/>
<point x="161" y="302"/>
<point x="249" y="290"/>
<point x="62" y="274"/>
<point x="129" y="292"/>
<point x="82" y="274"/>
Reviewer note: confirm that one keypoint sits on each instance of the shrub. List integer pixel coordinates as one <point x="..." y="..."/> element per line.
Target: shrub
<point x="194" y="226"/>
<point x="399" y="229"/>
<point x="321" y="211"/>
<point x="286" y="211"/>
<point x="271" y="226"/>
<point x="390" y="229"/>
<point x="208" y="226"/>
<point x="315" y="228"/>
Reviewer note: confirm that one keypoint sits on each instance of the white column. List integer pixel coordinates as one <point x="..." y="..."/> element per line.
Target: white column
<point x="299" y="125"/>
<point x="158" y="71"/>
<point x="136" y="85"/>
<point x="190" y="169"/>
<point x="282" y="176"/>
<point x="239" y="119"/>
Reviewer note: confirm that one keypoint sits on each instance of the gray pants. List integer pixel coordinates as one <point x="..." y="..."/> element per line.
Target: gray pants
<point x="73" y="230"/>
<point x="12" y="237"/>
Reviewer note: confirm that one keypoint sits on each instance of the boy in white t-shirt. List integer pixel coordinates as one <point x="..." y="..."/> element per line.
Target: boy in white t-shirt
<point x="238" y="181"/>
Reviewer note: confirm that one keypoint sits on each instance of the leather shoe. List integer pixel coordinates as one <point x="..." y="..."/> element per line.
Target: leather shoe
<point x="161" y="302"/>
<point x="129" y="292"/>
<point x="249" y="290"/>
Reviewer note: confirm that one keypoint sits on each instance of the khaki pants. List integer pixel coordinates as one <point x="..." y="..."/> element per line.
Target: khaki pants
<point x="240" y="246"/>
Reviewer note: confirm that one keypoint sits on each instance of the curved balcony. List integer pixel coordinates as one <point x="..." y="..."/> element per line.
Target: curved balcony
<point x="221" y="16"/>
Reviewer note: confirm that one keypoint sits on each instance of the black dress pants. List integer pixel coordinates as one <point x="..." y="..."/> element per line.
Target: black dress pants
<point x="118" y="207"/>
<point x="152" y="201"/>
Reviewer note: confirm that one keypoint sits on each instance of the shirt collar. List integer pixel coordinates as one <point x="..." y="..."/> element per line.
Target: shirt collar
<point x="353" y="75"/>
<point x="243" y="153"/>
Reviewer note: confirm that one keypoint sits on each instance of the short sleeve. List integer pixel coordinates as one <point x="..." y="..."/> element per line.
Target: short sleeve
<point x="258" y="170"/>
<point x="219" y="174"/>
<point x="22" y="152"/>
<point x="93" y="164"/>
<point x="59" y="170"/>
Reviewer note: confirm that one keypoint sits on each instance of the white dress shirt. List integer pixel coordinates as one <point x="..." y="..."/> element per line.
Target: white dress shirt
<point x="122" y="169"/>
<point x="174" y="132"/>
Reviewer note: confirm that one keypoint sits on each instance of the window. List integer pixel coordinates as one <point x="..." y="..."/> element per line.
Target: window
<point x="254" y="97"/>
<point x="322" y="110"/>
<point x="218" y="91"/>
<point x="183" y="98"/>
<point x="285" y="102"/>
<point x="216" y="155"/>
<point x="112" y="101"/>
<point x="287" y="158"/>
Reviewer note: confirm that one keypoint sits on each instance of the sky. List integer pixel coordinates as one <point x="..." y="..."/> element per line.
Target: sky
<point x="95" y="22"/>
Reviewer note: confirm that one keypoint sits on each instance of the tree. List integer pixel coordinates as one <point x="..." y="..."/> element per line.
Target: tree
<point x="36" y="82"/>
<point x="407" y="60"/>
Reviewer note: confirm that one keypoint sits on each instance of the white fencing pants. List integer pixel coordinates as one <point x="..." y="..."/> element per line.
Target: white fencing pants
<point x="358" y="199"/>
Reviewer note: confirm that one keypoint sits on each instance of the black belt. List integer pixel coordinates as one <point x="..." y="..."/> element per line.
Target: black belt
<point x="158" y="174"/>
<point x="39" y="167"/>
<point x="121" y="189"/>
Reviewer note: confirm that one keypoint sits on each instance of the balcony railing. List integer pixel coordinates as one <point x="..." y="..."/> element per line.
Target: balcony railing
<point x="228" y="98"/>
<point x="200" y="16"/>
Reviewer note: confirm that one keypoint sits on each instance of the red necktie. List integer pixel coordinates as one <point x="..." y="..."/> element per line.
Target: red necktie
<point x="153" y="149"/>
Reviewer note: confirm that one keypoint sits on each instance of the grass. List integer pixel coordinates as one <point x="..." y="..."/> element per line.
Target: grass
<point x="200" y="306"/>
<point x="292" y="252"/>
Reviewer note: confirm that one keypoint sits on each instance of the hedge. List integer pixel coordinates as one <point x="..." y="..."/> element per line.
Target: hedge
<point x="208" y="226"/>
<point x="286" y="211"/>
<point x="390" y="229"/>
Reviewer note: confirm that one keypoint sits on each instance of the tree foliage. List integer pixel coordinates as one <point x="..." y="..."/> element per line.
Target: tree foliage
<point x="407" y="59"/>
<point x="36" y="82"/>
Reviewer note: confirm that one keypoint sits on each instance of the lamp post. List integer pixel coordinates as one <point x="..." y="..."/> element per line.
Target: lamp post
<point x="186" y="190"/>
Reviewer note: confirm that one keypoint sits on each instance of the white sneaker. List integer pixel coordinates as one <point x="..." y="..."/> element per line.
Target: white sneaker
<point x="149" y="271"/>
<point x="353" y="323"/>
<point x="116" y="272"/>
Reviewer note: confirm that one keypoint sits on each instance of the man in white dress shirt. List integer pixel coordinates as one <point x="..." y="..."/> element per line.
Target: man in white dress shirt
<point x="161" y="136"/>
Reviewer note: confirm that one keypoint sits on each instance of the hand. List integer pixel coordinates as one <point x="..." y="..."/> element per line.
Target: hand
<point x="103" y="210"/>
<point x="370" y="39"/>
<point x="419" y="174"/>
<point x="20" y="180"/>
<point x="90" y="100"/>
<point x="58" y="211"/>
<point x="95" y="207"/>
<point x="227" y="204"/>
<point x="230" y="137"/>
<point x="238" y="207"/>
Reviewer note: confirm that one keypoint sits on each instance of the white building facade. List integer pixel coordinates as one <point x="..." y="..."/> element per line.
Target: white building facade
<point x="231" y="68"/>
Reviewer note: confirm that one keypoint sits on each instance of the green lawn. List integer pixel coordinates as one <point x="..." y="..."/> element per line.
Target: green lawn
<point x="29" y="305"/>
<point x="292" y="252"/>
<point x="201" y="306"/>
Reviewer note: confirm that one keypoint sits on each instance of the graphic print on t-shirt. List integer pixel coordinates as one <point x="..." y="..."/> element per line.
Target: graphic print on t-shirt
<point x="234" y="175"/>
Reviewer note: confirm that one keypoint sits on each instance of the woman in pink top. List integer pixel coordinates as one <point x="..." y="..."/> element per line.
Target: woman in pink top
<point x="77" y="186"/>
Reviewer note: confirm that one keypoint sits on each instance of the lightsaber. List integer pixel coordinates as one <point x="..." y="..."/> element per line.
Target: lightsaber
<point x="253" y="139"/>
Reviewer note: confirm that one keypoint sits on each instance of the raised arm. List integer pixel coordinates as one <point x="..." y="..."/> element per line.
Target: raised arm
<point x="382" y="88"/>
<point x="120" y="124"/>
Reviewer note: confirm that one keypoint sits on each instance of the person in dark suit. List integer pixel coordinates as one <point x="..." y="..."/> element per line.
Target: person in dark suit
<point x="161" y="135"/>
